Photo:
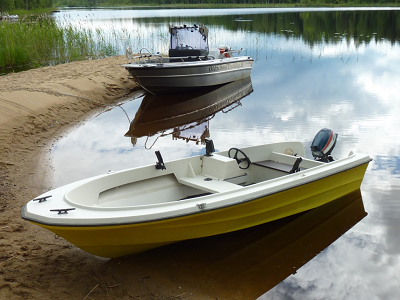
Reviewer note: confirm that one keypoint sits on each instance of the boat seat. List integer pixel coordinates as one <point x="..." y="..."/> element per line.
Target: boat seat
<point x="208" y="184"/>
<point x="274" y="165"/>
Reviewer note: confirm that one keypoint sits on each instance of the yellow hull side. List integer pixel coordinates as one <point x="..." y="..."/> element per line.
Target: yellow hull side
<point x="119" y="240"/>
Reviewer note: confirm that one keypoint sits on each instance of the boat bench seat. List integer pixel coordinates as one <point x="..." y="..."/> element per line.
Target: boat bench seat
<point x="209" y="184"/>
<point x="274" y="165"/>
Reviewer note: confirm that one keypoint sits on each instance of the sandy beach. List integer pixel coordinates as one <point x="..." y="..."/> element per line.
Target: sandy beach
<point x="37" y="107"/>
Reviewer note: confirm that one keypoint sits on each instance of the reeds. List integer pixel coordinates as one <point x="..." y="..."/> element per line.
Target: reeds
<point x="42" y="42"/>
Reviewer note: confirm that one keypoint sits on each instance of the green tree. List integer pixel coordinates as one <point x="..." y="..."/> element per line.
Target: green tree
<point x="6" y="5"/>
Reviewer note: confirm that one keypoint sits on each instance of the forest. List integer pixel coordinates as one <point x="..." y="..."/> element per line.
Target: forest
<point x="9" y="5"/>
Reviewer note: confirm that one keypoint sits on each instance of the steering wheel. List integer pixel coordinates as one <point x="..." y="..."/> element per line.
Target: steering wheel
<point x="235" y="152"/>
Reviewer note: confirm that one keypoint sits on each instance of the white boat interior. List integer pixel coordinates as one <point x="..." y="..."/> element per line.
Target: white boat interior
<point x="191" y="177"/>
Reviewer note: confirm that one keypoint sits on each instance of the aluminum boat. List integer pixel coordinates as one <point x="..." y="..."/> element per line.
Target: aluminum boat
<point x="134" y="210"/>
<point x="191" y="64"/>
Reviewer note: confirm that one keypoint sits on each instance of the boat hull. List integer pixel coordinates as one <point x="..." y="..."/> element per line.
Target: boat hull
<point x="171" y="77"/>
<point x="118" y="240"/>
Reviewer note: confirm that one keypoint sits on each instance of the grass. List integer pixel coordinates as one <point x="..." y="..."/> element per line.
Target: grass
<point x="41" y="42"/>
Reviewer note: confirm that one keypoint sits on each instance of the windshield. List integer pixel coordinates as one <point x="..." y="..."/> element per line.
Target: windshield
<point x="189" y="37"/>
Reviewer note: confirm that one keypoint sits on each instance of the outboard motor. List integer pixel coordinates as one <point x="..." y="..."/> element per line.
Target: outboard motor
<point x="323" y="144"/>
<point x="224" y="51"/>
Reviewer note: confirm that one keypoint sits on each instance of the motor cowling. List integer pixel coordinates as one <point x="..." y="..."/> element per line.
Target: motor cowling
<point x="323" y="144"/>
<point x="225" y="51"/>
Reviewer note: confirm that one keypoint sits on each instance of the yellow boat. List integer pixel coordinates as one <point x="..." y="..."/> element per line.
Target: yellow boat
<point x="134" y="210"/>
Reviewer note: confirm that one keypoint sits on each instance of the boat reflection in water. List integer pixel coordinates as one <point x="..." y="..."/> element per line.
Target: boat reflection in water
<point x="250" y="262"/>
<point x="186" y="116"/>
<point x="264" y="256"/>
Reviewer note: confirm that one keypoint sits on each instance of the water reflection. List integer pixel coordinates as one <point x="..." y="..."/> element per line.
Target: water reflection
<point x="186" y="116"/>
<point x="250" y="262"/>
<point x="316" y="27"/>
<point x="335" y="69"/>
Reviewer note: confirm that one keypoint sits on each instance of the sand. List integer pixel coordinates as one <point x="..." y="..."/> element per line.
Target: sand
<point x="38" y="107"/>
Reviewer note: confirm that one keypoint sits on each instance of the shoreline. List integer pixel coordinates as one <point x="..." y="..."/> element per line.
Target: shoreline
<point x="37" y="107"/>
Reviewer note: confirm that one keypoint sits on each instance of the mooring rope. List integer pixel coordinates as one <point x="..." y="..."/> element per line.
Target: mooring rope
<point x="119" y="105"/>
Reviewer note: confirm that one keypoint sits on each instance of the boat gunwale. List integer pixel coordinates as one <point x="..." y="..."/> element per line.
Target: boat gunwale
<point x="186" y="64"/>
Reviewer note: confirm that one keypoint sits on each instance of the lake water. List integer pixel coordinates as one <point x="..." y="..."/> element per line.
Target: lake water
<point x="313" y="68"/>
